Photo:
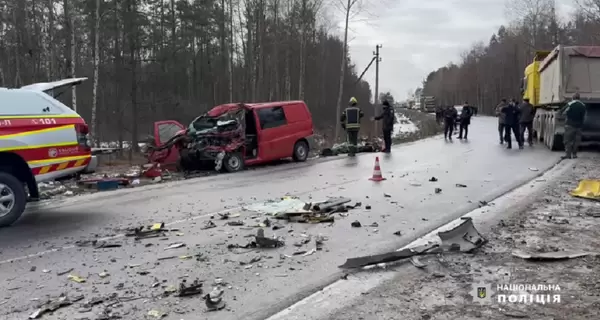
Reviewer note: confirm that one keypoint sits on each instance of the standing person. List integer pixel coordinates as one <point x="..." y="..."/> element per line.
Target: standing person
<point x="527" y="112"/>
<point x="501" y="119"/>
<point x="465" y="120"/>
<point x="388" y="125"/>
<point x="350" y="120"/>
<point x="511" y="124"/>
<point x="439" y="111"/>
<point x="450" y="115"/>
<point x="575" y="112"/>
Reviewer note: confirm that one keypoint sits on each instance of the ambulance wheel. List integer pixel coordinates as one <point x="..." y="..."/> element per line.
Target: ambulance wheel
<point x="12" y="199"/>
<point x="300" y="151"/>
<point x="233" y="162"/>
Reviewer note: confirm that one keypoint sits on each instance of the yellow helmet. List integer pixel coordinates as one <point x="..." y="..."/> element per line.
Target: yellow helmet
<point x="353" y="100"/>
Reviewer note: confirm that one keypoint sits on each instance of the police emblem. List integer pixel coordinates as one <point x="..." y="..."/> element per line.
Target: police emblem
<point x="481" y="292"/>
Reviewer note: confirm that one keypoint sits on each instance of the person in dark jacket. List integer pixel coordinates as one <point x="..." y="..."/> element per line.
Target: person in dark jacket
<point x="439" y="114"/>
<point x="388" y="119"/>
<point x="575" y="112"/>
<point x="511" y="124"/>
<point x="501" y="122"/>
<point x="465" y="120"/>
<point x="450" y="115"/>
<point x="527" y="112"/>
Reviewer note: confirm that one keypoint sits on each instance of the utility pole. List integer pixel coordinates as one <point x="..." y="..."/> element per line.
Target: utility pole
<point x="377" y="60"/>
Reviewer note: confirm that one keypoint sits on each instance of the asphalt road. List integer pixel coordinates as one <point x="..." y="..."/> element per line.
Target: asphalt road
<point x="45" y="237"/>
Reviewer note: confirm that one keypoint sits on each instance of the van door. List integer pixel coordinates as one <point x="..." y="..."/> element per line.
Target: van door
<point x="273" y="135"/>
<point x="163" y="131"/>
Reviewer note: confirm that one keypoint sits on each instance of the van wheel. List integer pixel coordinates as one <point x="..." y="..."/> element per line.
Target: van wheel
<point x="233" y="162"/>
<point x="300" y="151"/>
<point x="12" y="199"/>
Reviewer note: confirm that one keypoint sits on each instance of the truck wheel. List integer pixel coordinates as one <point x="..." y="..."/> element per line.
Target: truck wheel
<point x="300" y="151"/>
<point x="12" y="199"/>
<point x="233" y="162"/>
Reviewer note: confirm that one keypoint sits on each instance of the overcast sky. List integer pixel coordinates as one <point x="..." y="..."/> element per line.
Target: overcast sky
<point x="419" y="36"/>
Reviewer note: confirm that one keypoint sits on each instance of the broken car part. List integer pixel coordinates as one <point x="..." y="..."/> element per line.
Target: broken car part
<point x="465" y="235"/>
<point x="552" y="256"/>
<point x="193" y="289"/>
<point x="53" y="305"/>
<point x="214" y="300"/>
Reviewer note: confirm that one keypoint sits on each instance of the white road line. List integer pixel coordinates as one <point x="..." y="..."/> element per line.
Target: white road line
<point x="323" y="303"/>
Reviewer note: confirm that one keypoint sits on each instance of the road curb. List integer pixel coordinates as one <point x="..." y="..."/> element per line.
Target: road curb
<point x="341" y="293"/>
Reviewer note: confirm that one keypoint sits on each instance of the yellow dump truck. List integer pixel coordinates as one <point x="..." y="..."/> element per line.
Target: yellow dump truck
<point x="552" y="79"/>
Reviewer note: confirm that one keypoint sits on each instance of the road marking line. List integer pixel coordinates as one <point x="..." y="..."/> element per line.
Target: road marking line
<point x="325" y="302"/>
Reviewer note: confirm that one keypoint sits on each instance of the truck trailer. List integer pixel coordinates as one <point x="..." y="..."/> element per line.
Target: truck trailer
<point x="549" y="83"/>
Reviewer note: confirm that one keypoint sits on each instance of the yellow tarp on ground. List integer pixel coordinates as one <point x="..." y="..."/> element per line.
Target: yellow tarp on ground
<point x="588" y="189"/>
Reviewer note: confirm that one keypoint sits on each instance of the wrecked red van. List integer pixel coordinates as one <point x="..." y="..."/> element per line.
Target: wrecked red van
<point x="231" y="136"/>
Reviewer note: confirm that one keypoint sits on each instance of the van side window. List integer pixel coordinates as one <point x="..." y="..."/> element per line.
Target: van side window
<point x="271" y="117"/>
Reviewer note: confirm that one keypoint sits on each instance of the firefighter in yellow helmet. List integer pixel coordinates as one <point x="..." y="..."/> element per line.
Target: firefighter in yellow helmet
<point x="350" y="120"/>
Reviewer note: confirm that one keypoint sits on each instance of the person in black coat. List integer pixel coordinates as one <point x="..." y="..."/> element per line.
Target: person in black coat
<point x="388" y="119"/>
<point x="511" y="123"/>
<point x="450" y="115"/>
<point x="465" y="120"/>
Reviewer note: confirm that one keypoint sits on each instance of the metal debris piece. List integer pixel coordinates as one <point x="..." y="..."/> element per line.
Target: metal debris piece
<point x="368" y="207"/>
<point x="265" y="242"/>
<point x="483" y="203"/>
<point x="193" y="289"/>
<point x="170" y="289"/>
<point x="417" y="263"/>
<point x="175" y="245"/>
<point x="329" y="204"/>
<point x="76" y="278"/>
<point x="309" y="252"/>
<point x="235" y="223"/>
<point x="387" y="195"/>
<point x="103" y="274"/>
<point x="214" y="300"/>
<point x="460" y="185"/>
<point x="398" y="233"/>
<point x="374" y="225"/>
<point x="438" y="190"/>
<point x="385" y="257"/>
<point x="433" y="179"/>
<point x="63" y="272"/>
<point x="534" y="169"/>
<point x="552" y="256"/>
<point x="319" y="240"/>
<point x="53" y="305"/>
<point x="356" y="224"/>
<point x="209" y="224"/>
<point x="354" y="206"/>
<point x="587" y="189"/>
<point x="155" y="230"/>
<point x="464" y="235"/>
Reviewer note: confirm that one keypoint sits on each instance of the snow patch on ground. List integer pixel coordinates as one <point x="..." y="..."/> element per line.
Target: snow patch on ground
<point x="403" y="126"/>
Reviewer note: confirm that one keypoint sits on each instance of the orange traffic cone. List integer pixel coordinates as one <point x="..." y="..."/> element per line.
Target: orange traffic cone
<point x="377" y="172"/>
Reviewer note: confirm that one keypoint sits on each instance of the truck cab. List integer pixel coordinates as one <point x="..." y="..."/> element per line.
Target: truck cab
<point x="41" y="139"/>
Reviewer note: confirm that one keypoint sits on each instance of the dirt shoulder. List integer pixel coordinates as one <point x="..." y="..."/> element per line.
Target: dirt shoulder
<point x="553" y="222"/>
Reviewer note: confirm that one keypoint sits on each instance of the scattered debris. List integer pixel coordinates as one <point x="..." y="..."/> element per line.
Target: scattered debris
<point x="76" y="278"/>
<point x="368" y="207"/>
<point x="156" y="314"/>
<point x="235" y="223"/>
<point x="374" y="225"/>
<point x="438" y="190"/>
<point x="463" y="238"/>
<point x="193" y="289"/>
<point x="356" y="224"/>
<point x="175" y="245"/>
<point x="319" y="242"/>
<point x="155" y="230"/>
<point x="208" y="225"/>
<point x="214" y="300"/>
<point x="587" y="189"/>
<point x="483" y="203"/>
<point x="398" y="233"/>
<point x="53" y="305"/>
<point x="103" y="274"/>
<point x="433" y="179"/>
<point x="295" y="210"/>
<point x="417" y="263"/>
<point x="63" y="272"/>
<point x="387" y="195"/>
<point x="460" y="185"/>
<point x="265" y="242"/>
<point x="552" y="256"/>
<point x="534" y="169"/>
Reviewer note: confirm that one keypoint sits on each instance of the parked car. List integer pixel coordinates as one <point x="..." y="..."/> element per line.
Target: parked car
<point x="232" y="136"/>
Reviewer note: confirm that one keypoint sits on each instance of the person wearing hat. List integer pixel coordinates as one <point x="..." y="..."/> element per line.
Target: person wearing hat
<point x="526" y="114"/>
<point x="388" y="119"/>
<point x="350" y="120"/>
<point x="575" y="112"/>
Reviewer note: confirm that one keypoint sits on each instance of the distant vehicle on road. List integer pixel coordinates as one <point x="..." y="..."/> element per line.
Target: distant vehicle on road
<point x="232" y="136"/>
<point x="41" y="139"/>
<point x="551" y="80"/>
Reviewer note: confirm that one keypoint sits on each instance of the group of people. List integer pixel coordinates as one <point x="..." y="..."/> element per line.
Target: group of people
<point x="350" y="120"/>
<point x="515" y="119"/>
<point x="452" y="119"/>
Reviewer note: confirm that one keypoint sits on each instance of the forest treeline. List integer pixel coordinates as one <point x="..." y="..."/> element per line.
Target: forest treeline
<point x="150" y="60"/>
<point x="494" y="70"/>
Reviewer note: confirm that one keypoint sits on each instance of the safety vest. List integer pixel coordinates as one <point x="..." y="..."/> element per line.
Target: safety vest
<point x="352" y="118"/>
